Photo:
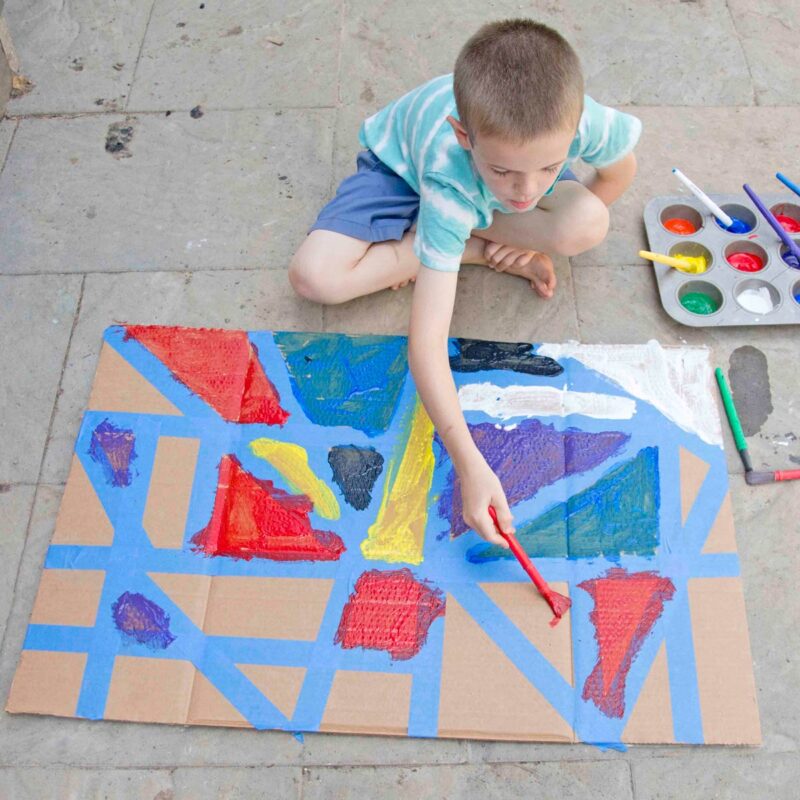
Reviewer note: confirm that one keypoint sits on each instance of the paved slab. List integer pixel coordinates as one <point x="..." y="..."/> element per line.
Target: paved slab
<point x="7" y="128"/>
<point x="239" y="54"/>
<point x="80" y="56"/>
<point x="267" y="783"/>
<point x="86" y="784"/>
<point x="767" y="30"/>
<point x="16" y="503"/>
<point x="231" y="189"/>
<point x="473" y="782"/>
<point x="626" y="57"/>
<point x="36" y="315"/>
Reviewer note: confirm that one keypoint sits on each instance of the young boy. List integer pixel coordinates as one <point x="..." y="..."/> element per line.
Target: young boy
<point x="471" y="168"/>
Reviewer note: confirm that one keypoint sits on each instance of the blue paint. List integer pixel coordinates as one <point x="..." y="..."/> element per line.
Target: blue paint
<point x="618" y="514"/>
<point x="346" y="380"/>
<point x="142" y="620"/>
<point x="113" y="448"/>
<point x="355" y="470"/>
<point x="474" y="355"/>
<point x="736" y="226"/>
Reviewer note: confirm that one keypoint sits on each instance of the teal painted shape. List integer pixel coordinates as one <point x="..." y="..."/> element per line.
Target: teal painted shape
<point x="346" y="380"/>
<point x="618" y="514"/>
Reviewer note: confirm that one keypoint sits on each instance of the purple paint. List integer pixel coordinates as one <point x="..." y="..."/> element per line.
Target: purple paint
<point x="142" y="620"/>
<point x="528" y="457"/>
<point x="113" y="449"/>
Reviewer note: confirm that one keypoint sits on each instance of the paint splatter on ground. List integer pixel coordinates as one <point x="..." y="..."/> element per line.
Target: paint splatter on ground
<point x="118" y="138"/>
<point x="355" y="470"/>
<point x="390" y="611"/>
<point x="626" y="606"/>
<point x="749" y="379"/>
<point x="473" y="355"/>
<point x="527" y="457"/>
<point x="114" y="449"/>
<point x="252" y="518"/>
<point x="221" y="367"/>
<point x="617" y="515"/>
<point x="142" y="620"/>
<point x="346" y="380"/>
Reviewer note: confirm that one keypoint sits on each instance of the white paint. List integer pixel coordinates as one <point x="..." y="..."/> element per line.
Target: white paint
<point x="506" y="402"/>
<point x="758" y="301"/>
<point x="678" y="381"/>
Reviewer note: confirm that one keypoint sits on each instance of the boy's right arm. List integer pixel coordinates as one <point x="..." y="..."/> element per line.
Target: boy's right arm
<point x="431" y="312"/>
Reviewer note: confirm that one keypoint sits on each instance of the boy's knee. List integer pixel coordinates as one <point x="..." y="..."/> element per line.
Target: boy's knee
<point x="309" y="281"/>
<point x="584" y="228"/>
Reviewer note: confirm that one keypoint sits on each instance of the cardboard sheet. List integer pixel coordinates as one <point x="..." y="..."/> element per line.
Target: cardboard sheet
<point x="263" y="530"/>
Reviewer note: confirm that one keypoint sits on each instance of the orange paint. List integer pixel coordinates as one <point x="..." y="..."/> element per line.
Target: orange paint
<point x="683" y="227"/>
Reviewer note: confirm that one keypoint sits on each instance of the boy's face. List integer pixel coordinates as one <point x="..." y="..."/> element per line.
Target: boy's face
<point x="517" y="175"/>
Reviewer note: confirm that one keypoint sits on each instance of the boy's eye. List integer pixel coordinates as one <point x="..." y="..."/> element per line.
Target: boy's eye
<point x="499" y="171"/>
<point x="556" y="168"/>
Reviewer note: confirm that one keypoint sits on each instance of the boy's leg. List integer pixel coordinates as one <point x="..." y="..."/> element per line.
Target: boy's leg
<point x="330" y="267"/>
<point x="569" y="221"/>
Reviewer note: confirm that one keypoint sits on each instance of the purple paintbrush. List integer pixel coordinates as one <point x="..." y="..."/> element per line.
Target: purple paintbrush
<point x="776" y="226"/>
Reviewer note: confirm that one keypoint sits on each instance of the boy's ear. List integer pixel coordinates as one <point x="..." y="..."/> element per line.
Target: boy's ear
<point x="461" y="132"/>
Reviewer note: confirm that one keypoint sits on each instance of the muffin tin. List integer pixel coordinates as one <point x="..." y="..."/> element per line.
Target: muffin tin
<point x="722" y="282"/>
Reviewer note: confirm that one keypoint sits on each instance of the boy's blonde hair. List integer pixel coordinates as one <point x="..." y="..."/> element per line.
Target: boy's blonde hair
<point x="517" y="79"/>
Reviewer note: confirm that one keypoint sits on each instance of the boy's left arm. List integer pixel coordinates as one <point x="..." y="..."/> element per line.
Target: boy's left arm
<point x="609" y="183"/>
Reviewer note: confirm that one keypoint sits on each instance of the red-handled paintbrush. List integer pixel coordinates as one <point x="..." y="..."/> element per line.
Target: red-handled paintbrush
<point x="556" y="601"/>
<point x="756" y="478"/>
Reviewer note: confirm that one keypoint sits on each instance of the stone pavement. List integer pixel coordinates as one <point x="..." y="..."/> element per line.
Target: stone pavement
<point x="196" y="226"/>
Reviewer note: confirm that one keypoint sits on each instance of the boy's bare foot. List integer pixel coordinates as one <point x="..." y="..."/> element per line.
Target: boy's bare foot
<point x="535" y="267"/>
<point x="396" y="286"/>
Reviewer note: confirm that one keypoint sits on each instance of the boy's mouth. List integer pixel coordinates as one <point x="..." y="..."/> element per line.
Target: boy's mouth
<point x="521" y="206"/>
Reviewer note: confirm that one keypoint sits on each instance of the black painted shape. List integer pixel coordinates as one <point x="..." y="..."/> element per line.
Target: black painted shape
<point x="476" y="354"/>
<point x="355" y="470"/>
<point x="749" y="380"/>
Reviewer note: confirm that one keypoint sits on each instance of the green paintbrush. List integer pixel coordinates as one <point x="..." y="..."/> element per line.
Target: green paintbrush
<point x="733" y="419"/>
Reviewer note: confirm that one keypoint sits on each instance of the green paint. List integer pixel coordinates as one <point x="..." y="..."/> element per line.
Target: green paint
<point x="699" y="303"/>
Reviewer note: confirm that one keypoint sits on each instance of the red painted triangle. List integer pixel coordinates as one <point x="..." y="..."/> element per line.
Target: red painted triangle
<point x="626" y="606"/>
<point x="220" y="367"/>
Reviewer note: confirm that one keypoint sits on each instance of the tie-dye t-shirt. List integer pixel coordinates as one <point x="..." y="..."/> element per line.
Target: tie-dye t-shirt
<point x="413" y="137"/>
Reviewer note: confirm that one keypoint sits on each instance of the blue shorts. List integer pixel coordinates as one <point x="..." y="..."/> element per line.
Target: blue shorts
<point x="375" y="204"/>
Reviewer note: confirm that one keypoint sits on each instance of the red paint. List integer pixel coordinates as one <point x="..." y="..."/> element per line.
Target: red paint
<point x="251" y="518"/>
<point x="559" y="604"/>
<point x="389" y="611"/>
<point x="682" y="227"/>
<point x="789" y="224"/>
<point x="626" y="606"/>
<point x="221" y="367"/>
<point x="746" y="262"/>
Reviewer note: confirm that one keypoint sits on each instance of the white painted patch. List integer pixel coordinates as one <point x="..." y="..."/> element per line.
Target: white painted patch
<point x="506" y="402"/>
<point x="678" y="381"/>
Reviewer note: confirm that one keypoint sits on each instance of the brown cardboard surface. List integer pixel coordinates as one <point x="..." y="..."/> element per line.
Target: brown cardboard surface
<point x="693" y="473"/>
<point x="724" y="664"/>
<point x="81" y="518"/>
<point x="372" y="702"/>
<point x="119" y="387"/>
<point x="170" y="491"/>
<point x="483" y="695"/>
<point x="650" y="721"/>
<point x="722" y="536"/>
<point x="47" y="683"/>
<point x="529" y="611"/>
<point x="280" y="685"/>
<point x="208" y="707"/>
<point x="68" y="597"/>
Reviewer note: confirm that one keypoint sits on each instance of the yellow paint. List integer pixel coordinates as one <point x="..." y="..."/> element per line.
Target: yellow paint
<point x="291" y="461"/>
<point x="398" y="534"/>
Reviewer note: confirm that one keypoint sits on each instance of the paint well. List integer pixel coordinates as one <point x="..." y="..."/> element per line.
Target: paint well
<point x="626" y="607"/>
<point x="699" y="303"/>
<point x="391" y="611"/>
<point x="253" y="519"/>
<point x="507" y="402"/>
<point x="528" y="457"/>
<point x="756" y="300"/>
<point x="346" y="380"/>
<point x="114" y="449"/>
<point x="220" y="367"/>
<point x="683" y="227"/>
<point x="473" y="355"/>
<point x="789" y="224"/>
<point x="291" y="460"/>
<point x="746" y="262"/>
<point x="616" y="515"/>
<point x="142" y="620"/>
<point x="355" y="470"/>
